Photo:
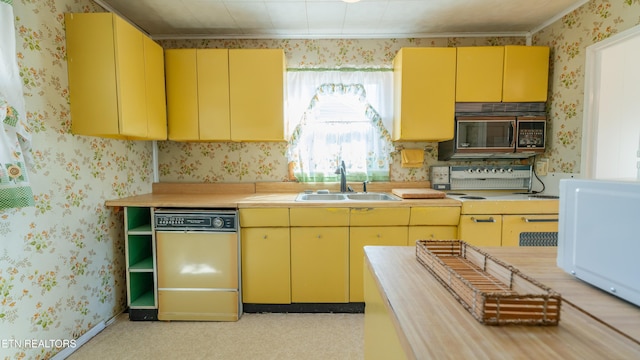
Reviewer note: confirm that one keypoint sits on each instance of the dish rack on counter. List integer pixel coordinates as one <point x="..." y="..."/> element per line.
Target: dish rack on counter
<point x="494" y="292"/>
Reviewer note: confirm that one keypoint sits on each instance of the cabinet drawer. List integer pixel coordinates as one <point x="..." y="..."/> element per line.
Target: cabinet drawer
<point x="319" y="216"/>
<point x="481" y="230"/>
<point x="264" y="217"/>
<point x="431" y="233"/>
<point x="435" y="215"/>
<point x="379" y="216"/>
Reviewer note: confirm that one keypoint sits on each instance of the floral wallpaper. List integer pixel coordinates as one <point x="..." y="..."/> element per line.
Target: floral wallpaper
<point x="62" y="261"/>
<point x="568" y="38"/>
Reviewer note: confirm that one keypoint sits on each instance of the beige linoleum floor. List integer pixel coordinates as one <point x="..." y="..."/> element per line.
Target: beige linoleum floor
<point x="254" y="336"/>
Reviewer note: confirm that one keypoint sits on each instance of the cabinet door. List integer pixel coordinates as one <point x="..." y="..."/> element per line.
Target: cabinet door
<point x="479" y="74"/>
<point x="514" y="225"/>
<point x="257" y="94"/>
<point x="381" y="340"/>
<point x="156" y="97"/>
<point x="182" y="94"/>
<point x="424" y="94"/>
<point x="92" y="74"/>
<point x="481" y="230"/>
<point x="359" y="237"/>
<point x="266" y="268"/>
<point x="213" y="94"/>
<point x="132" y="86"/>
<point x="320" y="265"/>
<point x="526" y="73"/>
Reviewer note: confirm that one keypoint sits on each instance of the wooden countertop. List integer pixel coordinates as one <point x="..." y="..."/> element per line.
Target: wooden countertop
<point x="250" y="195"/>
<point x="433" y="325"/>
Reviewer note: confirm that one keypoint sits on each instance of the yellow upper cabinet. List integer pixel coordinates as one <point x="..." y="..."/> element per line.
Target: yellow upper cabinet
<point x="526" y="73"/>
<point x="198" y="94"/>
<point x="424" y="94"/>
<point x="112" y="66"/>
<point x="479" y="74"/>
<point x="257" y="78"/>
<point x="156" y="96"/>
<point x="509" y="73"/>
<point x="225" y="95"/>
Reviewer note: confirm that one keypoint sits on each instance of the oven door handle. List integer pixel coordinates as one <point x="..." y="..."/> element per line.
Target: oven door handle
<point x="525" y="219"/>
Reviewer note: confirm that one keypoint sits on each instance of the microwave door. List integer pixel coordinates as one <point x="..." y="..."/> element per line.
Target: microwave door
<point x="485" y="134"/>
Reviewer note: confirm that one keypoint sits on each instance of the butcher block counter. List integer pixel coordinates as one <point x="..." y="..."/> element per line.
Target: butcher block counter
<point x="266" y="194"/>
<point x="409" y="314"/>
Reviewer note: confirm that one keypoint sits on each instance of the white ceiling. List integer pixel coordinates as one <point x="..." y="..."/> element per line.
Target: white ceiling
<point x="306" y="19"/>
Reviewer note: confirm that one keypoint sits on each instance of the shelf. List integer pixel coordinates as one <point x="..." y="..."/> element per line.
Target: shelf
<point x="141" y="289"/>
<point x="144" y="229"/>
<point x="138" y="217"/>
<point x="144" y="264"/>
<point x="140" y="248"/>
<point x="145" y="300"/>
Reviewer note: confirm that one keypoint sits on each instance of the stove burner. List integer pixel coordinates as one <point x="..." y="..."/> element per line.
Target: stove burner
<point x="469" y="197"/>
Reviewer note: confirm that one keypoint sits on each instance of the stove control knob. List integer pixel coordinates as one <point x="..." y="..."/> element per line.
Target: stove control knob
<point x="501" y="170"/>
<point x="478" y="170"/>
<point x="494" y="170"/>
<point x="218" y="223"/>
<point x="509" y="170"/>
<point x="486" y="171"/>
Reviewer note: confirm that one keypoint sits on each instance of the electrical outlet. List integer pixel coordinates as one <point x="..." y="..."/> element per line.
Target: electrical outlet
<point x="542" y="167"/>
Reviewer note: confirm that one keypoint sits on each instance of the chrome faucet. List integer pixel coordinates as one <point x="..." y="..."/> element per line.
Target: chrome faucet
<point x="343" y="176"/>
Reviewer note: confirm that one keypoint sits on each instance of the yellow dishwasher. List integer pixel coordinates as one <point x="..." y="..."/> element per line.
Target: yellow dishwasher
<point x="198" y="265"/>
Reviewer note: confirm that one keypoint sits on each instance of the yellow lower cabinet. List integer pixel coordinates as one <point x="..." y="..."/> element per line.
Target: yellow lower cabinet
<point x="359" y="237"/>
<point x="381" y="340"/>
<point x="320" y="264"/>
<point x="432" y="233"/>
<point x="481" y="230"/>
<point x="266" y="268"/>
<point x="514" y="225"/>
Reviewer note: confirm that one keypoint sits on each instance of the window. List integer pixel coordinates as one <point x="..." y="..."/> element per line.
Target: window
<point x="340" y="124"/>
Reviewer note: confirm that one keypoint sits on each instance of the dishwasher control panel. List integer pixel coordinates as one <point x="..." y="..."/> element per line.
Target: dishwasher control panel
<point x="195" y="220"/>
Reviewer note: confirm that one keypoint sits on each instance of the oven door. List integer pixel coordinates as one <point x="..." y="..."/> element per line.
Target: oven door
<point x="530" y="230"/>
<point x="485" y="134"/>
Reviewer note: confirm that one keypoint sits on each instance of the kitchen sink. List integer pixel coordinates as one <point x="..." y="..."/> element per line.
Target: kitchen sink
<point x="347" y="196"/>
<point x="373" y="197"/>
<point x="321" y="197"/>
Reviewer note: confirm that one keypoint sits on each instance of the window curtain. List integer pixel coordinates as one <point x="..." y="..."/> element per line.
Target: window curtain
<point x="338" y="116"/>
<point x="15" y="144"/>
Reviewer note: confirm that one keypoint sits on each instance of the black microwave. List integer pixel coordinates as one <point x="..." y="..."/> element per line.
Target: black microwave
<point x="495" y="137"/>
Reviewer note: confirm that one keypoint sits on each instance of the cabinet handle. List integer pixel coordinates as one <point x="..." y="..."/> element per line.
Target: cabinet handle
<point x="538" y="220"/>
<point x="264" y="237"/>
<point x="319" y="236"/>
<point x="489" y="220"/>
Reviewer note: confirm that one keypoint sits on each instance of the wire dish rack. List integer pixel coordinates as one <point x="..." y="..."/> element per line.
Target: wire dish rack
<point x="494" y="292"/>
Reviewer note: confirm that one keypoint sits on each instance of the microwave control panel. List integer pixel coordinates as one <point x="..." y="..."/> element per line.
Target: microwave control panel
<point x="531" y="134"/>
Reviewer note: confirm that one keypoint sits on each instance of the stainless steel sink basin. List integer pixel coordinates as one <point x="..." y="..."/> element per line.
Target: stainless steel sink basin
<point x="332" y="197"/>
<point x="321" y="197"/>
<point x="373" y="197"/>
